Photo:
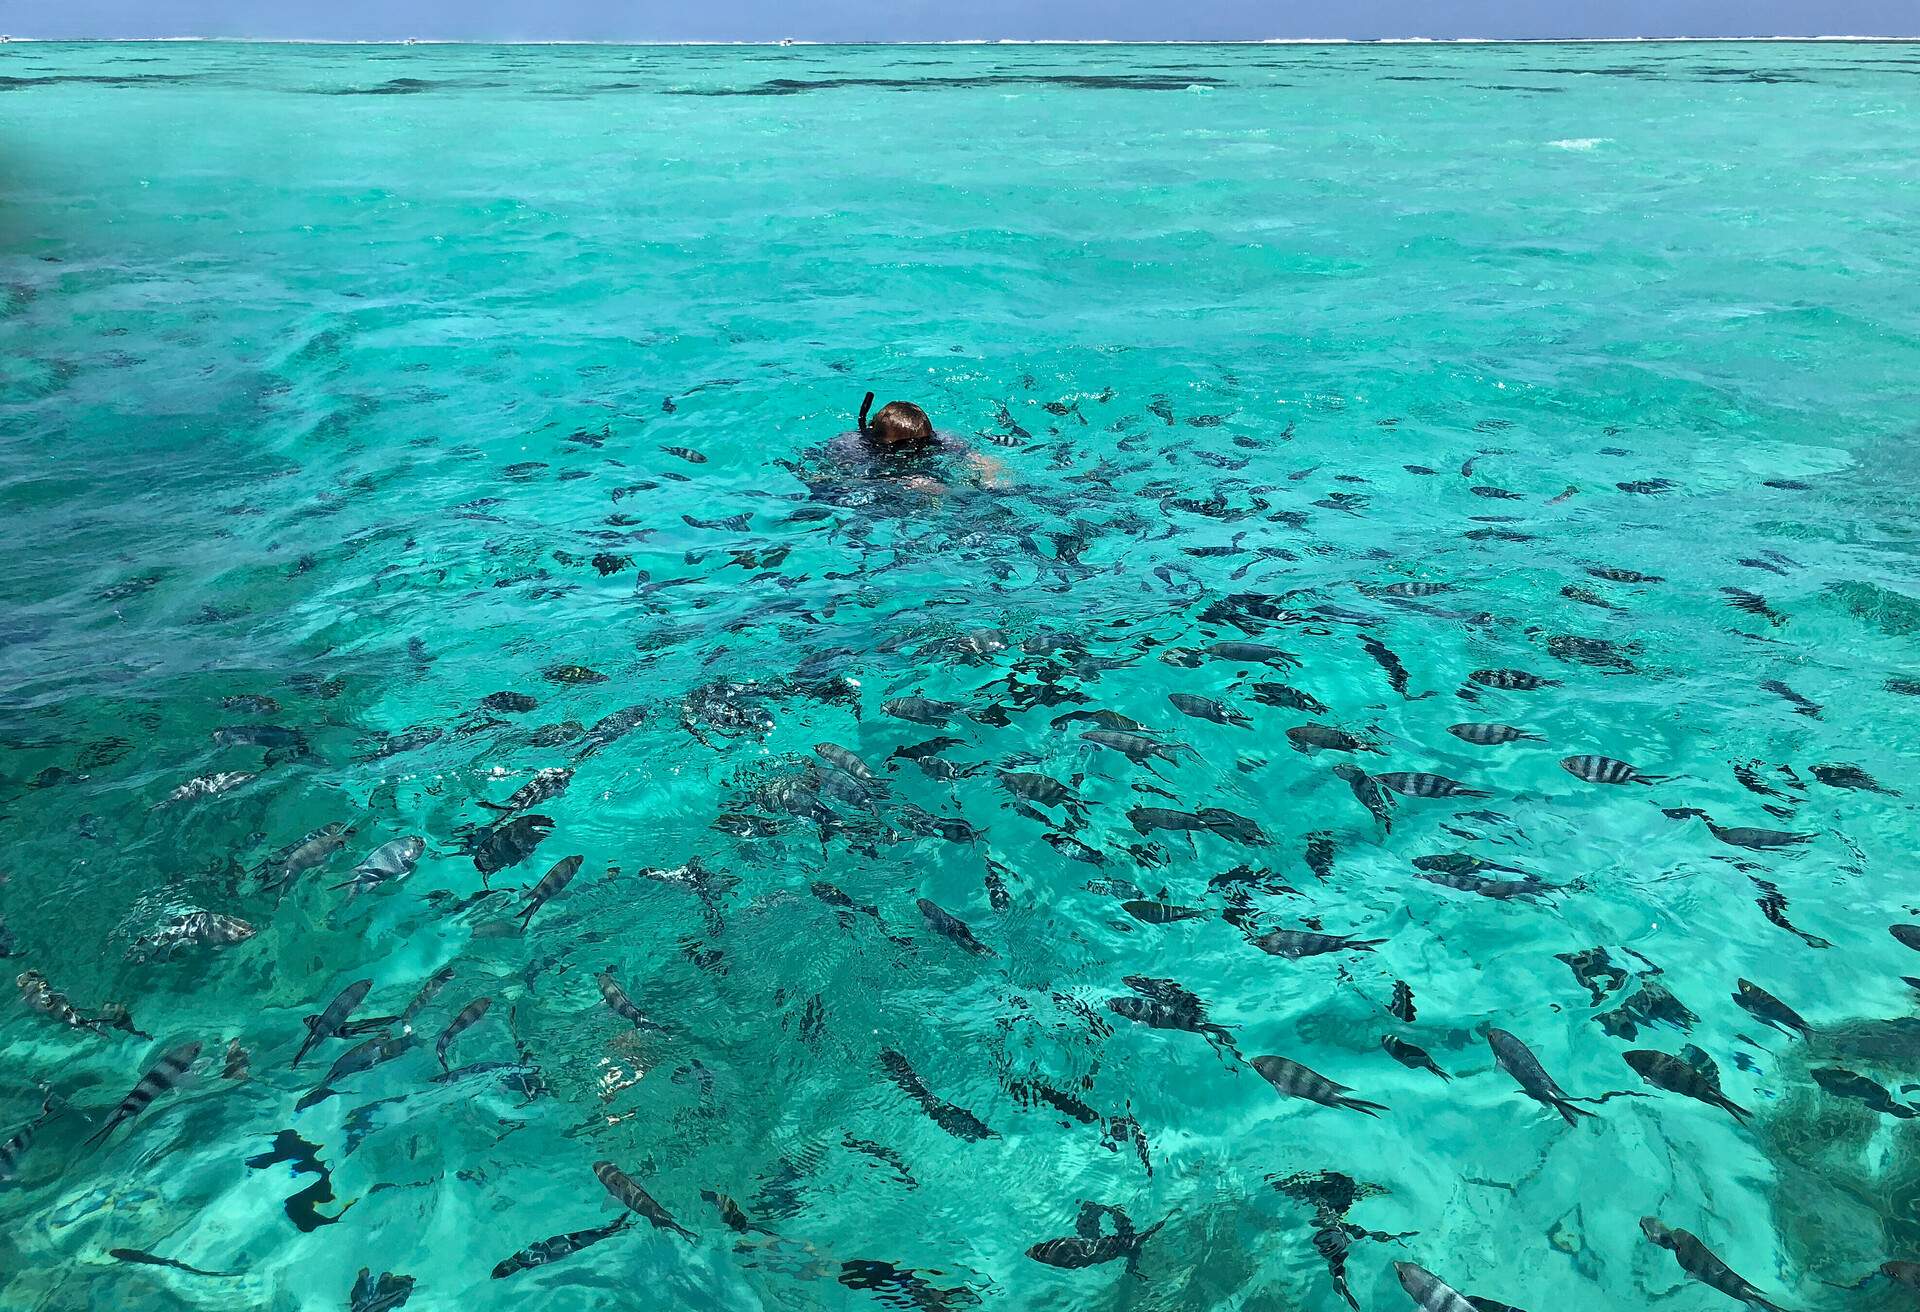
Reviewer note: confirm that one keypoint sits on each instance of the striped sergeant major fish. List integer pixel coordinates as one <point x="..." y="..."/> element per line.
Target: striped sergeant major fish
<point x="566" y="1245"/>
<point x="630" y="1195"/>
<point x="16" y="1147"/>
<point x="469" y="1017"/>
<point x="166" y="1074"/>
<point x="550" y="886"/>
<point x="332" y="1019"/>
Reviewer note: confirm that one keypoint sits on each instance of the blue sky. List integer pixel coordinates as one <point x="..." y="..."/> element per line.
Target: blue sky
<point x="910" y="20"/>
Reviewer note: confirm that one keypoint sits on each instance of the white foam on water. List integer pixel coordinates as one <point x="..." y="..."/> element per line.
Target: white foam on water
<point x="1579" y="143"/>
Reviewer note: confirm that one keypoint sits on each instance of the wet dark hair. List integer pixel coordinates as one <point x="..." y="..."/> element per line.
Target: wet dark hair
<point x="898" y="424"/>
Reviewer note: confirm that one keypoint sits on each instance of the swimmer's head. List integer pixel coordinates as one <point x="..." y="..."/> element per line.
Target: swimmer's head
<point x="898" y="426"/>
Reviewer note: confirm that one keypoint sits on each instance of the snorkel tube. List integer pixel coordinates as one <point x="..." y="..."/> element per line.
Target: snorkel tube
<point x="865" y="406"/>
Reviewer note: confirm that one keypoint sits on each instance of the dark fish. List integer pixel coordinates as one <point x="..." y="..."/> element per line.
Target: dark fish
<point x="1146" y="819"/>
<point x="1413" y="783"/>
<point x="164" y="1075"/>
<point x="1675" y="1075"/>
<point x="1491" y="735"/>
<point x="630" y="1195"/>
<point x="332" y="1019"/>
<point x="1586" y="597"/>
<point x="509" y="703"/>
<point x="1044" y="790"/>
<point x="1387" y="661"/>
<point x="1252" y="653"/>
<point x="1851" y="777"/>
<point x="193" y="928"/>
<point x="559" y="1246"/>
<point x="956" y="1121"/>
<point x="1906" y="934"/>
<point x="22" y="1139"/>
<point x="153" y="1259"/>
<point x="1137" y="747"/>
<point x="1412" y="1056"/>
<point x="951" y="828"/>
<point x="951" y="927"/>
<point x="1368" y="793"/>
<point x="1088" y="1246"/>
<point x="692" y="457"/>
<point x="549" y="887"/>
<point x="1320" y="737"/>
<point x="1801" y="706"/>
<point x="1029" y="1092"/>
<point x="1280" y="694"/>
<point x="1613" y="574"/>
<point x="1100" y="719"/>
<point x="1648" y="486"/>
<point x="1754" y="840"/>
<point x="1846" y="1084"/>
<point x="573" y="675"/>
<point x="1160" y="913"/>
<point x="1295" y="944"/>
<point x="846" y="762"/>
<point x="363" y="1056"/>
<point x="1165" y="1005"/>
<point x="1297" y="1081"/>
<point x="1700" y="1262"/>
<point x="1511" y="680"/>
<point x="1401" y="1007"/>
<point x="730" y="1214"/>
<point x="1517" y="1060"/>
<point x="428" y="991"/>
<point x="309" y="853"/>
<point x="1069" y="846"/>
<point x="1606" y="770"/>
<point x="1206" y="708"/>
<point x="609" y="729"/>
<point x="507" y="844"/>
<point x="1498" y="889"/>
<point x="1753" y="604"/>
<point x="468" y="1017"/>
<point x="920" y="710"/>
<point x="1769" y="1010"/>
<point x="43" y="998"/>
<point x="545" y="784"/>
<point x="1773" y="905"/>
<point x="1232" y="826"/>
<point x="619" y="1003"/>
<point x="1412" y="588"/>
<point x="1319" y="855"/>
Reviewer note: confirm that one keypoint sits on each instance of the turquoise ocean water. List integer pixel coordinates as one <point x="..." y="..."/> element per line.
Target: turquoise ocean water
<point x="343" y="390"/>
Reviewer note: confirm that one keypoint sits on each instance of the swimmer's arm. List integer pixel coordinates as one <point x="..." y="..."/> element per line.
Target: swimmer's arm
<point x="990" y="472"/>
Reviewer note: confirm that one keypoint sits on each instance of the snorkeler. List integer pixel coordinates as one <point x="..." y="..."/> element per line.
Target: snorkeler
<point x="899" y="443"/>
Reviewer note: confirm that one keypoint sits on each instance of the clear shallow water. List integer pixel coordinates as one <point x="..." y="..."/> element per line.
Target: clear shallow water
<point x="328" y="373"/>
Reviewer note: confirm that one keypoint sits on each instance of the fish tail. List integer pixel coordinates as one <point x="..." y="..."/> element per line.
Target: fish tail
<point x="1740" y="1113"/>
<point x="100" y="1134"/>
<point x="496" y="806"/>
<point x="1362" y="1105"/>
<point x="1570" y="1112"/>
<point x="1656" y="778"/>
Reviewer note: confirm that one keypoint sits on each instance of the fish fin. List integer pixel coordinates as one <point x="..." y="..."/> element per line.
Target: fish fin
<point x="1362" y="1105"/>
<point x="491" y="806"/>
<point x="99" y="1135"/>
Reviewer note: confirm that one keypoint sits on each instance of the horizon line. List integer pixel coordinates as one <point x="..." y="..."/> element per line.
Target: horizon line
<point x="1778" y="38"/>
